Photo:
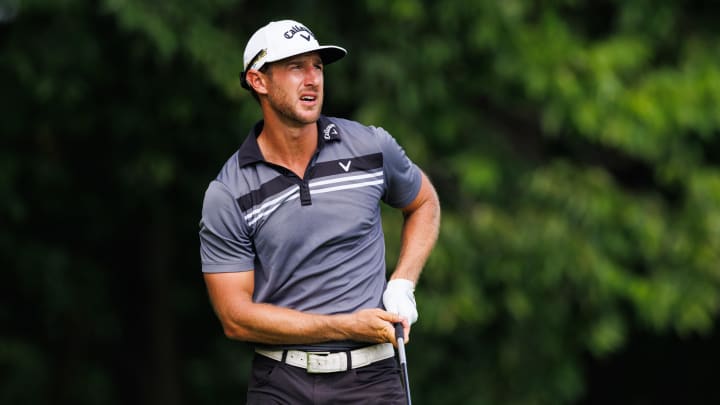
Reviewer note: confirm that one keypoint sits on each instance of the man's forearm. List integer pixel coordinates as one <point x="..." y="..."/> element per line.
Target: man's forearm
<point x="264" y="323"/>
<point x="419" y="234"/>
<point x="242" y="319"/>
<point x="270" y="324"/>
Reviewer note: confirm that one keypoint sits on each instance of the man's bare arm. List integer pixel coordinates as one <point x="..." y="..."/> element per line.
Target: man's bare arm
<point x="420" y="232"/>
<point x="243" y="319"/>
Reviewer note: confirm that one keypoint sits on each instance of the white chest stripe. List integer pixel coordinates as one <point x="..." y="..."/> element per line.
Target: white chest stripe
<point x="346" y="186"/>
<point x="272" y="204"/>
<point x="345" y="179"/>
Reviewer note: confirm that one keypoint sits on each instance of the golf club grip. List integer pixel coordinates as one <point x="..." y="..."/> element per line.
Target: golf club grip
<point x="399" y="332"/>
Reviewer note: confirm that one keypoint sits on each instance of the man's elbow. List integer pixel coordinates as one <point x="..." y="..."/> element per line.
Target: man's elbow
<point x="426" y="206"/>
<point x="235" y="332"/>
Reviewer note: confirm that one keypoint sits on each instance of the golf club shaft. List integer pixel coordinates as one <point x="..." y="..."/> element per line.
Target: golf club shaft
<point x="400" y="337"/>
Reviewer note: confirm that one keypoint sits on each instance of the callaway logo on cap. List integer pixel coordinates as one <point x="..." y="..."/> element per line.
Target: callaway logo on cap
<point x="282" y="39"/>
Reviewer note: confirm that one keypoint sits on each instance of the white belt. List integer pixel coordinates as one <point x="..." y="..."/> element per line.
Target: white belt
<point x="326" y="362"/>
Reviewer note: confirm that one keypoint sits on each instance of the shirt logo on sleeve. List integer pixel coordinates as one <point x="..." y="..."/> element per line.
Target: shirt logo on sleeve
<point x="345" y="166"/>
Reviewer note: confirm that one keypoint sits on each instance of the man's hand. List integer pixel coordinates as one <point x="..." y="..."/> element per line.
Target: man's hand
<point x="399" y="298"/>
<point x="374" y="325"/>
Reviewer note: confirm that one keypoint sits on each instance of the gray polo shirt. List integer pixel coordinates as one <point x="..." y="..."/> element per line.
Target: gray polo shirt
<point x="315" y="244"/>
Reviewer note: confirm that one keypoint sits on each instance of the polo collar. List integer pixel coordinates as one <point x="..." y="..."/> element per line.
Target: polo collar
<point x="249" y="152"/>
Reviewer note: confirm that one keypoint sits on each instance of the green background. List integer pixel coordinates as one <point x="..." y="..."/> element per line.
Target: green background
<point x="575" y="146"/>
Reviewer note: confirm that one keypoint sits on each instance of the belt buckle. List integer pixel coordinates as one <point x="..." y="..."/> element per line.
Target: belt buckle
<point x="317" y="362"/>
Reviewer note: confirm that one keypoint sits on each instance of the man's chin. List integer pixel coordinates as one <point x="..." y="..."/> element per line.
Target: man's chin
<point x="309" y="117"/>
<point x="300" y="116"/>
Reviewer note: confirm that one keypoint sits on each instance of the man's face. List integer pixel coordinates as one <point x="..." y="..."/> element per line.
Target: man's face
<point x="295" y="88"/>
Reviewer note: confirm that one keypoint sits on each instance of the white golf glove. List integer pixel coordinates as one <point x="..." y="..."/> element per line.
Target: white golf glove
<point x="399" y="298"/>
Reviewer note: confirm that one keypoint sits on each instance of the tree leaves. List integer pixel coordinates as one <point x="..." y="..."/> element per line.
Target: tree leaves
<point x="574" y="145"/>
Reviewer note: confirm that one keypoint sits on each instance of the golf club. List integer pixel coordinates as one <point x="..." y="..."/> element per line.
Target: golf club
<point x="400" y="337"/>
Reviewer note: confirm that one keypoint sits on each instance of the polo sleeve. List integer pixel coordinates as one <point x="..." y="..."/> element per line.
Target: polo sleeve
<point x="402" y="176"/>
<point x="224" y="242"/>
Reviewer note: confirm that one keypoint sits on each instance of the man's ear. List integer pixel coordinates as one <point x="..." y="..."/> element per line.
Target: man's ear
<point x="257" y="81"/>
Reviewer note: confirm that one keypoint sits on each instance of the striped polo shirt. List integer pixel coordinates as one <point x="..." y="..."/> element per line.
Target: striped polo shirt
<point x="315" y="244"/>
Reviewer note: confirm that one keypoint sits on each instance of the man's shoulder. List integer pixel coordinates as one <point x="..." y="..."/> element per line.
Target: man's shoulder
<point x="231" y="176"/>
<point x="229" y="168"/>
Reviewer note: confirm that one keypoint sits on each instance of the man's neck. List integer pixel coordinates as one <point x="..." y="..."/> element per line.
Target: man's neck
<point x="290" y="147"/>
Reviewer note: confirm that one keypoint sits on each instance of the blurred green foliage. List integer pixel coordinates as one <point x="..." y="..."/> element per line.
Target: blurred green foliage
<point x="575" y="146"/>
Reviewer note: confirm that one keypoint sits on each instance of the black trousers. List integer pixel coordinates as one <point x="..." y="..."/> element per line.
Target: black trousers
<point x="273" y="382"/>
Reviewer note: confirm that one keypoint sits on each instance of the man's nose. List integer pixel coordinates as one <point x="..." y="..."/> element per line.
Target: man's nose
<point x="313" y="76"/>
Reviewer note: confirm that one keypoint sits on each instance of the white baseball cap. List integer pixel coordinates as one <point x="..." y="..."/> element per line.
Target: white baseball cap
<point x="282" y="39"/>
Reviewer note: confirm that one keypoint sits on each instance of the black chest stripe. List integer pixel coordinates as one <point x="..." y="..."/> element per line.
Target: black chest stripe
<point x="269" y="189"/>
<point x="354" y="164"/>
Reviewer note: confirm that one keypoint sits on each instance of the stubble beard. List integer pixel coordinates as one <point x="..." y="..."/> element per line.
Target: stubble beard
<point x="290" y="113"/>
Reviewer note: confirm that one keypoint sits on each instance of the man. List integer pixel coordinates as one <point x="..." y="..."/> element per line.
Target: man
<point x="291" y="239"/>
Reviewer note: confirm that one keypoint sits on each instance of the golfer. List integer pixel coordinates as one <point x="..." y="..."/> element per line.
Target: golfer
<point x="291" y="238"/>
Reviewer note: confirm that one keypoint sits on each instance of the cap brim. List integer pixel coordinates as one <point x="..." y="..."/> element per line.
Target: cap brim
<point x="331" y="53"/>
